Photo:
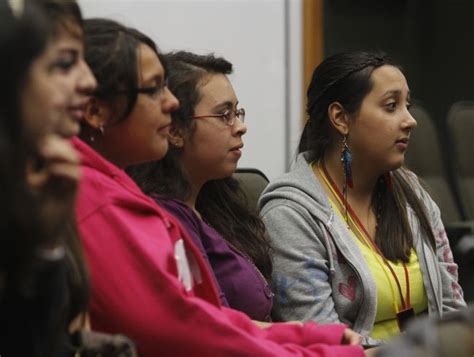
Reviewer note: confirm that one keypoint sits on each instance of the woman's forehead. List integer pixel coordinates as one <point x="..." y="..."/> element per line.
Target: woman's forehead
<point x="388" y="78"/>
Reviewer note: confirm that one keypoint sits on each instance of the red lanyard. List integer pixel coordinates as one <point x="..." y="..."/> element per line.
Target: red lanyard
<point x="405" y="305"/>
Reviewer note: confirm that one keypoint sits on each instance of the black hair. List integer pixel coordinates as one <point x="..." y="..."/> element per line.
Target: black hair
<point x="21" y="232"/>
<point x="62" y="15"/>
<point x="111" y="53"/>
<point x="29" y="29"/>
<point x="221" y="203"/>
<point x="343" y="78"/>
<point x="346" y="78"/>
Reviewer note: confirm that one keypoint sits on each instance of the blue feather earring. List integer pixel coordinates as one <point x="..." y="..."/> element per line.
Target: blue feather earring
<point x="346" y="159"/>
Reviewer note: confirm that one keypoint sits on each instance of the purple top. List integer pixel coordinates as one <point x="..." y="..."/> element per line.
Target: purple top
<point x="243" y="287"/>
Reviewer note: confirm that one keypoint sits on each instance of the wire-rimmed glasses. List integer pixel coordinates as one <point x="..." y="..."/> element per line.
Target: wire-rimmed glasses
<point x="228" y="117"/>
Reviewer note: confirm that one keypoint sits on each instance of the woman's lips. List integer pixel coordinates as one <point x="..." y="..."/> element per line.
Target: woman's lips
<point x="237" y="150"/>
<point x="77" y="111"/>
<point x="402" y="144"/>
<point x="165" y="129"/>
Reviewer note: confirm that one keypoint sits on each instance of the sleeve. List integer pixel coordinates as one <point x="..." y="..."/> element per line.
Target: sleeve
<point x="301" y="278"/>
<point x="452" y="291"/>
<point x="135" y="291"/>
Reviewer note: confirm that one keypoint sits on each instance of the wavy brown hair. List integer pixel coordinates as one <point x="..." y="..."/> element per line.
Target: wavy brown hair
<point x="221" y="203"/>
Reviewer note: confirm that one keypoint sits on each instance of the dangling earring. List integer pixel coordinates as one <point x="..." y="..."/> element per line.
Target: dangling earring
<point x="346" y="159"/>
<point x="92" y="135"/>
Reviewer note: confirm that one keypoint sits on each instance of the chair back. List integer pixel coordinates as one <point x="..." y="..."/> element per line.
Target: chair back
<point x="424" y="158"/>
<point x="460" y="123"/>
<point x="253" y="182"/>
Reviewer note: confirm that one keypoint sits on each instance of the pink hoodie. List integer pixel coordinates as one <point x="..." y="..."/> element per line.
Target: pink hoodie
<point x="150" y="283"/>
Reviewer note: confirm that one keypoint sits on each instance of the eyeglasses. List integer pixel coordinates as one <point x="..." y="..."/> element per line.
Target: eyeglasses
<point x="227" y="117"/>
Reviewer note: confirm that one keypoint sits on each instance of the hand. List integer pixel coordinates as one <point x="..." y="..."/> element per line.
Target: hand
<point x="53" y="178"/>
<point x="371" y="352"/>
<point x="351" y="338"/>
<point x="106" y="345"/>
<point x="295" y="322"/>
<point x="262" y="324"/>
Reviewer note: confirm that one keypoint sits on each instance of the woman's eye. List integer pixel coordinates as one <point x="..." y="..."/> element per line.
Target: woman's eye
<point x="64" y="64"/>
<point x="391" y="106"/>
<point x="227" y="115"/>
<point x="155" y="91"/>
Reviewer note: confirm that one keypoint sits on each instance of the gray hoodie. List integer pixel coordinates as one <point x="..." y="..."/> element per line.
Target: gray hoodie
<point x="320" y="273"/>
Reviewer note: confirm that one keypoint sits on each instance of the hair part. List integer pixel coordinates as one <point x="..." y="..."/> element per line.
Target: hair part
<point x="187" y="73"/>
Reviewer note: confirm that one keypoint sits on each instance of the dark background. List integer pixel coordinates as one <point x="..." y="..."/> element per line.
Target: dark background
<point x="433" y="41"/>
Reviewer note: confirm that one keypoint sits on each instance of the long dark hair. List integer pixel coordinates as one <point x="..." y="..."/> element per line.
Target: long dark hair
<point x="22" y="40"/>
<point x="111" y="53"/>
<point x="221" y="203"/>
<point x="347" y="78"/>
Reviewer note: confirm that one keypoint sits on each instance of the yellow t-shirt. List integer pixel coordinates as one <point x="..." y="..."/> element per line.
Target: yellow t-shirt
<point x="385" y="325"/>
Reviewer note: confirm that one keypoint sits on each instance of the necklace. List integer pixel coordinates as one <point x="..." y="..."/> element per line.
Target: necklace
<point x="406" y="312"/>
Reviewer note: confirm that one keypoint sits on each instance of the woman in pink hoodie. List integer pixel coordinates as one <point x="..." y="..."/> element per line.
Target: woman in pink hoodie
<point x="148" y="280"/>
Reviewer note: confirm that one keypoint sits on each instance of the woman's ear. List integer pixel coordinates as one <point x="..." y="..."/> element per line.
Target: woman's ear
<point x="96" y="113"/>
<point x="339" y="118"/>
<point x="176" y="137"/>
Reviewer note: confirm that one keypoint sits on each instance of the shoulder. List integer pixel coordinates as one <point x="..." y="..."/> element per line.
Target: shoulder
<point x="113" y="196"/>
<point x="123" y="222"/>
<point x="95" y="191"/>
<point x="180" y="210"/>
<point x="298" y="190"/>
<point x="176" y="207"/>
<point x="418" y="186"/>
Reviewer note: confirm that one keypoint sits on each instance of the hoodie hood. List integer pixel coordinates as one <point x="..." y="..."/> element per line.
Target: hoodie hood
<point x="301" y="186"/>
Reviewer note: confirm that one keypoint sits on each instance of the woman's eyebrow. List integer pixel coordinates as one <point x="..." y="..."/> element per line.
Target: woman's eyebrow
<point x="156" y="79"/>
<point x="225" y="105"/>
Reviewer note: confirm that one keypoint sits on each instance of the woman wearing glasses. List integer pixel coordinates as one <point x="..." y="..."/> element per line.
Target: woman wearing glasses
<point x="194" y="181"/>
<point x="148" y="280"/>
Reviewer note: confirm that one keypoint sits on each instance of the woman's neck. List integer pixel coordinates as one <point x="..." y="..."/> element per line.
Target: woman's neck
<point x="117" y="160"/>
<point x="195" y="187"/>
<point x="360" y="196"/>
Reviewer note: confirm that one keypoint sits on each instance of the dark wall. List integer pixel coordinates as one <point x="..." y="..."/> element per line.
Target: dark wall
<point x="433" y="40"/>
